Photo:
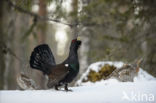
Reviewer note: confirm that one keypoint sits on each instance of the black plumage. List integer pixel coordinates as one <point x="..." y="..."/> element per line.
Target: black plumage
<point x="59" y="74"/>
<point x="42" y="59"/>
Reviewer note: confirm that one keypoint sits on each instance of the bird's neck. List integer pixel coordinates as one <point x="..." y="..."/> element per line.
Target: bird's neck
<point x="73" y="55"/>
<point x="72" y="58"/>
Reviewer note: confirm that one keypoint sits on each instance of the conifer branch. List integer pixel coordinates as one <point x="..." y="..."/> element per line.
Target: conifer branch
<point x="20" y="9"/>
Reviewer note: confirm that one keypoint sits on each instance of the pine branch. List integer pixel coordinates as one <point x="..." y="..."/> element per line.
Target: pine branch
<point x="120" y="39"/>
<point x="22" y="10"/>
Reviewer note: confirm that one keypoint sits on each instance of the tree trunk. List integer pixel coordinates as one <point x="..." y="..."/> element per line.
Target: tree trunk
<point x="84" y="49"/>
<point x="2" y="58"/>
<point x="41" y="36"/>
<point x="84" y="34"/>
<point x="42" y="24"/>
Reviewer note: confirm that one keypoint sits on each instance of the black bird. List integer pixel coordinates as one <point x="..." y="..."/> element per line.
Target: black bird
<point x="59" y="74"/>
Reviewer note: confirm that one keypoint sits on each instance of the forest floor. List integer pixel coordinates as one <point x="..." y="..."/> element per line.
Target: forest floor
<point x="142" y="90"/>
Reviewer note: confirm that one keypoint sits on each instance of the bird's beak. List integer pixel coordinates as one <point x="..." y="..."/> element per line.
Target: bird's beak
<point x="78" y="38"/>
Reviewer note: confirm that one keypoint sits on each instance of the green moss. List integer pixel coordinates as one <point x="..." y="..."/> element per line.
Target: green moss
<point x="93" y="76"/>
<point x="103" y="73"/>
<point x="106" y="70"/>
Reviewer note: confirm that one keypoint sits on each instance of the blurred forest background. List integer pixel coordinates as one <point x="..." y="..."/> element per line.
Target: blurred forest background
<point x="110" y="30"/>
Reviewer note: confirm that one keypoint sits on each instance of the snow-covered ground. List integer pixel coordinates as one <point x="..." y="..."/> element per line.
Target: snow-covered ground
<point x="142" y="90"/>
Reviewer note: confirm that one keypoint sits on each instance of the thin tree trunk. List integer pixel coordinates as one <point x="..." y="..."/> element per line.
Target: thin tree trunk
<point x="41" y="34"/>
<point x="2" y="58"/>
<point x="7" y="27"/>
<point x="85" y="47"/>
<point x="42" y="24"/>
<point x="74" y="18"/>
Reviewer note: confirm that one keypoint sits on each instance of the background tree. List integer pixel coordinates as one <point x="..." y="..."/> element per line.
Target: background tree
<point x="2" y="59"/>
<point x="118" y="30"/>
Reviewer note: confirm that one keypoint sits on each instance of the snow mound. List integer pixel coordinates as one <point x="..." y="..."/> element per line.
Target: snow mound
<point x="142" y="75"/>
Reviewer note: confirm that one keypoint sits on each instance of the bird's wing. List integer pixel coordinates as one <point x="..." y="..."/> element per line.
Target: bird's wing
<point x="57" y="74"/>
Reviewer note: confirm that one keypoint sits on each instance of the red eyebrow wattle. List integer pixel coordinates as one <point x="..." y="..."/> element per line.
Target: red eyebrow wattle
<point x="73" y="40"/>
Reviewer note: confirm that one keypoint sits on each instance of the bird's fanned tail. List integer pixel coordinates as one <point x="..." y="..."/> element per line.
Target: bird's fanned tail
<point x="42" y="58"/>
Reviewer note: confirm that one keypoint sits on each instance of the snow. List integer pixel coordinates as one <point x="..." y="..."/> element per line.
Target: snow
<point x="142" y="90"/>
<point x="143" y="76"/>
<point x="102" y="92"/>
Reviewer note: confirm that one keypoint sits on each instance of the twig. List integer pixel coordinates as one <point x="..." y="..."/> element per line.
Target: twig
<point x="8" y="50"/>
<point x="36" y="15"/>
<point x="29" y="30"/>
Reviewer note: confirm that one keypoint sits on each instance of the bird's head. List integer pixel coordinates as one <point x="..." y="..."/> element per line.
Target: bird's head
<point x="75" y="44"/>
